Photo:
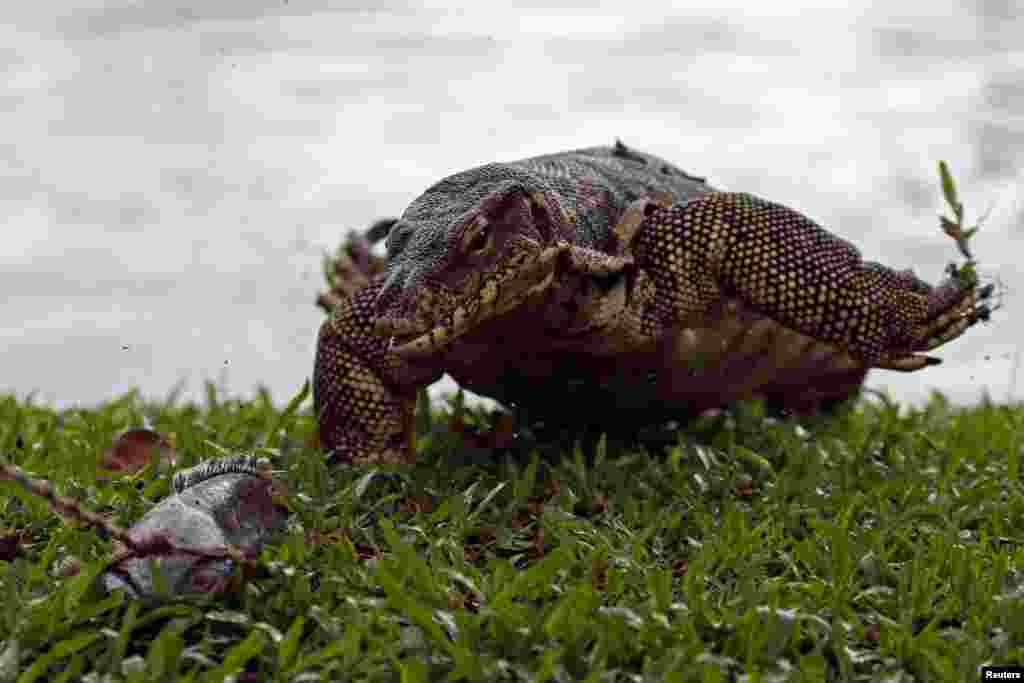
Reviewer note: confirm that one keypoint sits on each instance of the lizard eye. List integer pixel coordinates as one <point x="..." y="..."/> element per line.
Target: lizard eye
<point x="477" y="239"/>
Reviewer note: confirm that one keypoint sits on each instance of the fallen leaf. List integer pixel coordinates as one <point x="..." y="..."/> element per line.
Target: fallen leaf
<point x="9" y="542"/>
<point x="134" y="449"/>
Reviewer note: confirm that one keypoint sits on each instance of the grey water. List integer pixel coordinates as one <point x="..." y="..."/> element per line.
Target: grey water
<point x="171" y="173"/>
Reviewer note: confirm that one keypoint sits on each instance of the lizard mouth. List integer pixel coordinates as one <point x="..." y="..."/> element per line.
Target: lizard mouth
<point x="399" y="341"/>
<point x="400" y="331"/>
<point x="528" y="275"/>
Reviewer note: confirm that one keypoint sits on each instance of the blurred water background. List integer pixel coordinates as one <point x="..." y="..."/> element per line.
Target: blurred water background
<point x="171" y="172"/>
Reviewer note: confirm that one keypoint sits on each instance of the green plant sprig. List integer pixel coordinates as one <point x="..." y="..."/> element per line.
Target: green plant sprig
<point x="954" y="227"/>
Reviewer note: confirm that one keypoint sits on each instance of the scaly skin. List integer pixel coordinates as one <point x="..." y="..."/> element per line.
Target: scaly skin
<point x="606" y="287"/>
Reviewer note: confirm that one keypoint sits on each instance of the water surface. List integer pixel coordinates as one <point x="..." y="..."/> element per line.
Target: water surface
<point x="172" y="174"/>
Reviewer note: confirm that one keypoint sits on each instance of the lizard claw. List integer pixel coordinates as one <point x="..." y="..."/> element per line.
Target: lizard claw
<point x="952" y="314"/>
<point x="953" y="309"/>
<point x="902" y="361"/>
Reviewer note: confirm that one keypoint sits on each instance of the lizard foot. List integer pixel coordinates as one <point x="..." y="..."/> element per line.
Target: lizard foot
<point x="952" y="310"/>
<point x="353" y="265"/>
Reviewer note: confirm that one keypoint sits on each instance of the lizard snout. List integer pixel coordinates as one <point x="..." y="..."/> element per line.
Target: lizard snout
<point x="403" y="307"/>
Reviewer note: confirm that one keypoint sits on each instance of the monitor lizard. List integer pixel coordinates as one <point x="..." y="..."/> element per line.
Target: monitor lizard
<point x="604" y="287"/>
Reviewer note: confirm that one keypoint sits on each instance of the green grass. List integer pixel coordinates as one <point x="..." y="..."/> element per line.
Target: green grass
<point x="881" y="544"/>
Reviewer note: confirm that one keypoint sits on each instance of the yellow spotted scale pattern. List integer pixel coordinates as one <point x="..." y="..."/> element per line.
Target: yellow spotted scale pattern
<point x="350" y="379"/>
<point x="780" y="263"/>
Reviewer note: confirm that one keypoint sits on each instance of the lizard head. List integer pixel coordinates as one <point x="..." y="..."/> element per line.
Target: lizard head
<point x="470" y="248"/>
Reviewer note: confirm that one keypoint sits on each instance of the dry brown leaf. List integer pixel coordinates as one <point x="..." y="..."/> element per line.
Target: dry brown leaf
<point x="134" y="449"/>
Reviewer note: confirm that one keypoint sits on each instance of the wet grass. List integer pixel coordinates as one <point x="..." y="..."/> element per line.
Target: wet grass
<point x="880" y="544"/>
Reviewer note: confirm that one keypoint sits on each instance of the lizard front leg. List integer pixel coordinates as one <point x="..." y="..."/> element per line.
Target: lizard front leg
<point x="364" y="395"/>
<point x="786" y="267"/>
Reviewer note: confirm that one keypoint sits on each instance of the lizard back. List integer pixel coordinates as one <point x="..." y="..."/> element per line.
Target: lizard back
<point x="599" y="182"/>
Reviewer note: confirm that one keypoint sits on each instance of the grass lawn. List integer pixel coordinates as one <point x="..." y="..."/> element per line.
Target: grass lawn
<point x="881" y="544"/>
